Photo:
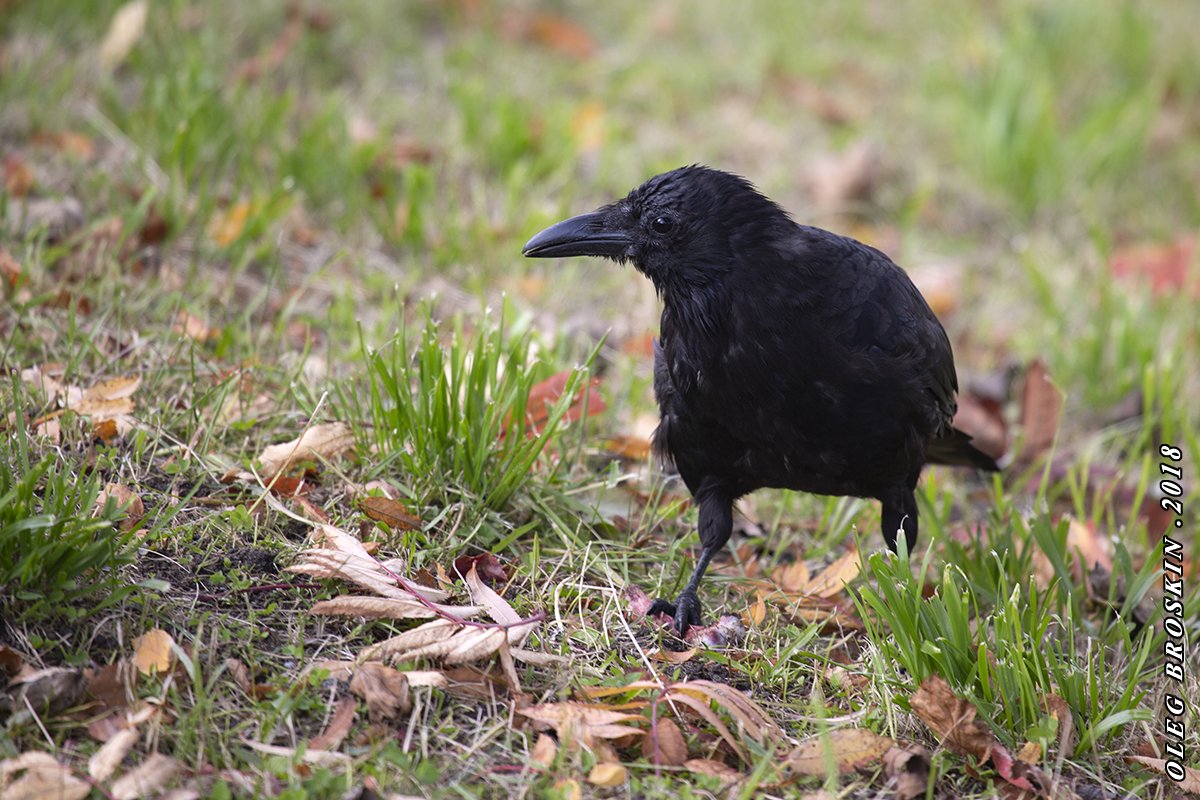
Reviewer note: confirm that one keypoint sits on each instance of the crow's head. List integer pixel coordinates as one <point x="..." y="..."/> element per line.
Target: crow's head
<point x="681" y="229"/>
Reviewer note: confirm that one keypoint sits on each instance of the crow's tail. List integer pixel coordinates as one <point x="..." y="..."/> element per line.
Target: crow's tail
<point x="955" y="449"/>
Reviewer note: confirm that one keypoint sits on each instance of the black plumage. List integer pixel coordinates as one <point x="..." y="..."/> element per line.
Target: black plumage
<point x="788" y="357"/>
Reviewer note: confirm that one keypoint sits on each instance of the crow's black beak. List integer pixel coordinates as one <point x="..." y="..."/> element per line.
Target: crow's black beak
<point x="585" y="235"/>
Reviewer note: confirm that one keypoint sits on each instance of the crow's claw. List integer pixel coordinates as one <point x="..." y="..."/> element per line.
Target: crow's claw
<point x="685" y="611"/>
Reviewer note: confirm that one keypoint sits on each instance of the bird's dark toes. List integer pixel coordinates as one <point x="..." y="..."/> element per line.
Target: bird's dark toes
<point x="685" y="611"/>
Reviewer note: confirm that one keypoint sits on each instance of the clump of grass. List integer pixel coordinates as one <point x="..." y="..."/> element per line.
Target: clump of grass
<point x="452" y="412"/>
<point x="1004" y="642"/>
<point x="57" y="557"/>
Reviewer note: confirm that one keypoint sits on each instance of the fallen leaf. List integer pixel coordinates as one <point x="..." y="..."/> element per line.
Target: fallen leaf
<point x="584" y="722"/>
<point x="325" y="441"/>
<point x="319" y="758"/>
<point x="495" y="605"/>
<point x="756" y="613"/>
<point x="338" y="727"/>
<point x="607" y="775"/>
<point x="1191" y="775"/>
<point x="227" y="226"/>
<point x="390" y="512"/>
<point x="73" y="143"/>
<point x="153" y="653"/>
<point x="126" y="28"/>
<point x="632" y="448"/>
<point x="43" y="778"/>
<point x="953" y="720"/>
<point x="833" y="579"/>
<point x="906" y="768"/>
<point x="838" y="182"/>
<point x="188" y="324"/>
<point x="1167" y="266"/>
<point x="1041" y="407"/>
<point x="544" y="750"/>
<point x="982" y="419"/>
<point x="124" y="498"/>
<point x="18" y="179"/>
<point x="105" y="761"/>
<point x="384" y="689"/>
<point x="568" y="790"/>
<point x="490" y="569"/>
<point x="147" y="779"/>
<point x="849" y="749"/>
<point x="663" y="744"/>
<point x="792" y="577"/>
<point x="357" y="605"/>
<point x="545" y="395"/>
<point x="673" y="656"/>
<point x="47" y="691"/>
<point x="712" y="769"/>
<point x="562" y="35"/>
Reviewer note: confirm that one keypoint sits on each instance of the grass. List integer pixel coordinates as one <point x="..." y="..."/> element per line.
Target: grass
<point x="341" y="193"/>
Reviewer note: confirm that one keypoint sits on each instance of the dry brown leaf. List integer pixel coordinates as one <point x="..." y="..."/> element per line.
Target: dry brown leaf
<point x="338" y="727"/>
<point x="191" y="326"/>
<point x="147" y="779"/>
<point x="239" y="673"/>
<point x="357" y="605"/>
<point x="344" y="557"/>
<point x="793" y="577"/>
<point x="673" y="656"/>
<point x="983" y="420"/>
<point x="749" y="714"/>
<point x="849" y="748"/>
<point x="705" y="711"/>
<point x="1168" y="266"/>
<point x="108" y="399"/>
<point x="105" y="761"/>
<point x="755" y="614"/>
<point x="953" y="720"/>
<point x="544" y="750"/>
<point x="907" y="770"/>
<point x="833" y="579"/>
<point x="712" y="769"/>
<point x="43" y="778"/>
<point x="545" y="395"/>
<point x="1041" y="407"/>
<point x="663" y="744"/>
<point x="10" y="268"/>
<point x="124" y="32"/>
<point x="124" y="498"/>
<point x="840" y="181"/>
<point x="582" y="722"/>
<point x="18" y="178"/>
<point x="607" y="775"/>
<point x="11" y="663"/>
<point x="325" y="441"/>
<point x="318" y="758"/>
<point x="1191" y="775"/>
<point x="152" y="652"/>
<point x="562" y="35"/>
<point x="632" y="448"/>
<point x="384" y="689"/>
<point x="390" y="512"/>
<point x="47" y="691"/>
<point x="497" y="608"/>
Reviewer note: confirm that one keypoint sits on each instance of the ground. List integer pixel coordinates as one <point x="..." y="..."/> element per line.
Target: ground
<point x="228" y="226"/>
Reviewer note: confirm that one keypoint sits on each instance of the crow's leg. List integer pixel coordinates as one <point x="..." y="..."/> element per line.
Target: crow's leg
<point x="899" y="513"/>
<point x="716" y="524"/>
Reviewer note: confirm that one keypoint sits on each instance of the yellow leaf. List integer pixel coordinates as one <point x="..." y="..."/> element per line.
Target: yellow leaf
<point x="849" y="748"/>
<point x="544" y="750"/>
<point x="152" y="652"/>
<point x="227" y="227"/>
<point x="607" y="775"/>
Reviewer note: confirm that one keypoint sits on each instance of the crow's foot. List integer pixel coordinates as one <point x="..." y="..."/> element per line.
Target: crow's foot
<point x="685" y="611"/>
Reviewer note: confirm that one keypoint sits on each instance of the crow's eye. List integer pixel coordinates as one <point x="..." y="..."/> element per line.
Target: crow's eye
<point x="663" y="225"/>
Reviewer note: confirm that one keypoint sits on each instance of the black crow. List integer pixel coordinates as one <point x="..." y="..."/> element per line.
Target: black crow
<point x="788" y="356"/>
